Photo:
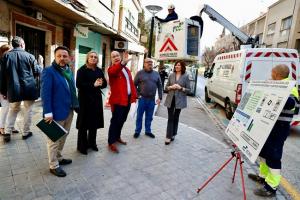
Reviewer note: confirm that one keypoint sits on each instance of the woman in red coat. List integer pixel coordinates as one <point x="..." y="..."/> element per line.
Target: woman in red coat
<point x="123" y="93"/>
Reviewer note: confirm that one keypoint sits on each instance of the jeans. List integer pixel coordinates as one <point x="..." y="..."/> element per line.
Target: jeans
<point x="173" y="120"/>
<point x="14" y="109"/>
<point x="147" y="106"/>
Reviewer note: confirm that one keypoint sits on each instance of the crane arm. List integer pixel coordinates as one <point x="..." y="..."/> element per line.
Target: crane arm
<point x="215" y="16"/>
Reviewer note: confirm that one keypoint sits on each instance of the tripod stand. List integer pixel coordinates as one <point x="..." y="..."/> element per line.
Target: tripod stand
<point x="235" y="153"/>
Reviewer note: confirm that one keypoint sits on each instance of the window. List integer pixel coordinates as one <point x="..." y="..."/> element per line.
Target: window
<point x="271" y="29"/>
<point x="286" y="23"/>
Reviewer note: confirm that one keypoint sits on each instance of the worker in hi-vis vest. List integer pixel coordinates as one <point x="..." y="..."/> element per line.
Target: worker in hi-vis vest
<point x="271" y="153"/>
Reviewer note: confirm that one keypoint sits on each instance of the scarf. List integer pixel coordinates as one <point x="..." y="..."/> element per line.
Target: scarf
<point x="68" y="75"/>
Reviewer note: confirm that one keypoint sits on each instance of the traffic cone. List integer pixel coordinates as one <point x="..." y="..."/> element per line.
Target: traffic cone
<point x="107" y="105"/>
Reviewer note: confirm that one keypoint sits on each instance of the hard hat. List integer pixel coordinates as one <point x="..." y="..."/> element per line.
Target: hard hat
<point x="171" y="6"/>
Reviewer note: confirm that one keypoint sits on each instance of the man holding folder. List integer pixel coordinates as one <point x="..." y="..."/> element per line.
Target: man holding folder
<point x="59" y="100"/>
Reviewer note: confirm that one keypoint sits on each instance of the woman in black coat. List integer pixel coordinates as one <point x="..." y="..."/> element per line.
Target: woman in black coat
<point x="90" y="80"/>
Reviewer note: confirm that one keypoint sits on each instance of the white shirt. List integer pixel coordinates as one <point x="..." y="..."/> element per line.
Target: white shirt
<point x="127" y="80"/>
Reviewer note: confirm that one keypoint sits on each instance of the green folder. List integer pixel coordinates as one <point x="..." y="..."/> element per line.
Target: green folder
<point x="54" y="131"/>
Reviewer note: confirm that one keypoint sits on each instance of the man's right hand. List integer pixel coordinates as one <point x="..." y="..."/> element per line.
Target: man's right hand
<point x="125" y="59"/>
<point x="48" y="119"/>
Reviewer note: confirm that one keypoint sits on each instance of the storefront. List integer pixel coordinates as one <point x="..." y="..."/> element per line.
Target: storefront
<point x="92" y="42"/>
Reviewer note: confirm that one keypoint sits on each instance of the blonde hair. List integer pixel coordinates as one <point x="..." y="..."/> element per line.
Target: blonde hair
<point x="3" y="49"/>
<point x="88" y="54"/>
<point x="282" y="70"/>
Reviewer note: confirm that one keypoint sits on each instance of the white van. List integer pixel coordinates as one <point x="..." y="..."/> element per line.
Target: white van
<point x="231" y="72"/>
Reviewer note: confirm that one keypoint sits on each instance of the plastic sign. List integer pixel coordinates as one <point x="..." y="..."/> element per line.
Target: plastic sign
<point x="256" y="115"/>
<point x="81" y="31"/>
<point x="178" y="40"/>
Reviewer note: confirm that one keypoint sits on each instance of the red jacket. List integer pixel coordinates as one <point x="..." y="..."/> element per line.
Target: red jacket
<point x="118" y="86"/>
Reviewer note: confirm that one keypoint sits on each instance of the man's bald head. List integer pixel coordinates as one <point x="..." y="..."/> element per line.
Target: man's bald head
<point x="280" y="72"/>
<point x="148" y="64"/>
<point x="115" y="57"/>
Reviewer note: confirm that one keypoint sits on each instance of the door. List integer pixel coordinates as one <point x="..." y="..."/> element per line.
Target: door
<point x="34" y="39"/>
<point x="83" y="50"/>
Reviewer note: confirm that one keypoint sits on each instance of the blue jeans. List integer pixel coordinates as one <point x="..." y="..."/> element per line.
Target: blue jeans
<point x="147" y="106"/>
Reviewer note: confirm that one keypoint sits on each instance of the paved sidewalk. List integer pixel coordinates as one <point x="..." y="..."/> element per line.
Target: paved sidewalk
<point x="144" y="169"/>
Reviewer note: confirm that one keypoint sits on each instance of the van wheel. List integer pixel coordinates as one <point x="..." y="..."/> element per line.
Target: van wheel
<point x="228" y="110"/>
<point x="207" y="99"/>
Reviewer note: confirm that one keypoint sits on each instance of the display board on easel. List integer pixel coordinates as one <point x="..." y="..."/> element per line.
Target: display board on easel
<point x="256" y="115"/>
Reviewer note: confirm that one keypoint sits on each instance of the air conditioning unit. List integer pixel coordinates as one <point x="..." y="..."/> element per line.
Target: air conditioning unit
<point x="121" y="45"/>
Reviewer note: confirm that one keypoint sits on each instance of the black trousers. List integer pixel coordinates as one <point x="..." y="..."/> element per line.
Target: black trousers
<point x="86" y="138"/>
<point x="273" y="147"/>
<point x="173" y="120"/>
<point x="119" y="116"/>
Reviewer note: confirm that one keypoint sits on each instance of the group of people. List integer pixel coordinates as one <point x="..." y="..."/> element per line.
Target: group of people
<point x="62" y="95"/>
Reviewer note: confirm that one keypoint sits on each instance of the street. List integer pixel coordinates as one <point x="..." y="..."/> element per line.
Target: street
<point x="290" y="161"/>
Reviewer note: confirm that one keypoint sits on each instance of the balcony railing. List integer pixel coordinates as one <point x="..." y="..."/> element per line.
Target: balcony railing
<point x="131" y="27"/>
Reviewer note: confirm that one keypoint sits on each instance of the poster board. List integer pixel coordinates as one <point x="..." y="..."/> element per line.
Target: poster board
<point x="256" y="115"/>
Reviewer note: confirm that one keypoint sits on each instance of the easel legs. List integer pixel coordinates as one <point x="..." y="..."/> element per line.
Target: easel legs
<point x="238" y="160"/>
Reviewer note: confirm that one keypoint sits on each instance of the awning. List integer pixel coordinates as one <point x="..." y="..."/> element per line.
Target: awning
<point x="136" y="48"/>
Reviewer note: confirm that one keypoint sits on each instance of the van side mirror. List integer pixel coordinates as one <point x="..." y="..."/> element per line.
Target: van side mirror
<point x="208" y="74"/>
<point x="205" y="73"/>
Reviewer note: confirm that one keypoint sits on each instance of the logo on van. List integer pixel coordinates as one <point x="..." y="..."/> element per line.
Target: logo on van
<point x="168" y="44"/>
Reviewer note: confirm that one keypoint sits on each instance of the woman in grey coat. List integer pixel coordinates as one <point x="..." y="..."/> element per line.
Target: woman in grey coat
<point x="178" y="86"/>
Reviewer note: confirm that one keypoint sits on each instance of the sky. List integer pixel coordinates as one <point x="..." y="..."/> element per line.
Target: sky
<point x="238" y="12"/>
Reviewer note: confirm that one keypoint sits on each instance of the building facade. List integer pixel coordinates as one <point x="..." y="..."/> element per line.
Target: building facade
<point x="282" y="27"/>
<point x="81" y="25"/>
<point x="278" y="28"/>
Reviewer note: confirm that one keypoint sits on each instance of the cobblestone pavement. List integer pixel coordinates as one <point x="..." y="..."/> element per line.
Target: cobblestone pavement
<point x="144" y="169"/>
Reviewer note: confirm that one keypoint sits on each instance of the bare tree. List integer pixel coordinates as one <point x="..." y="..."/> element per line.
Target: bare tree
<point x="208" y="56"/>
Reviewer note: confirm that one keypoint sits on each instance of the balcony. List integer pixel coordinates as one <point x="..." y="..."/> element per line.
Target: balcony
<point x="130" y="27"/>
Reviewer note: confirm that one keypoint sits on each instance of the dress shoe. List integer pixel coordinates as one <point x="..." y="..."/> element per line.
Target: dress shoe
<point x="256" y="178"/>
<point x="150" y="135"/>
<point x="29" y="134"/>
<point x="136" y="135"/>
<point x="94" y="148"/>
<point x="58" y="172"/>
<point x="15" y="131"/>
<point x="265" y="191"/>
<point x="113" y="148"/>
<point x="6" y="137"/>
<point x="173" y="138"/>
<point x="167" y="141"/>
<point x="122" y="141"/>
<point x="65" y="162"/>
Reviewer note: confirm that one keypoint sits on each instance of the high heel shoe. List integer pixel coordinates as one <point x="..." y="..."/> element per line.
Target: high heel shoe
<point x="167" y="141"/>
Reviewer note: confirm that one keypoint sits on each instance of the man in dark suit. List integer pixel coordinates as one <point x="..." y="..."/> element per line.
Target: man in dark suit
<point x="18" y="84"/>
<point x="59" y="100"/>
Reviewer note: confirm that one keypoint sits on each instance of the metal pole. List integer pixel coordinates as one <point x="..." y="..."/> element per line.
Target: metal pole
<point x="151" y="36"/>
